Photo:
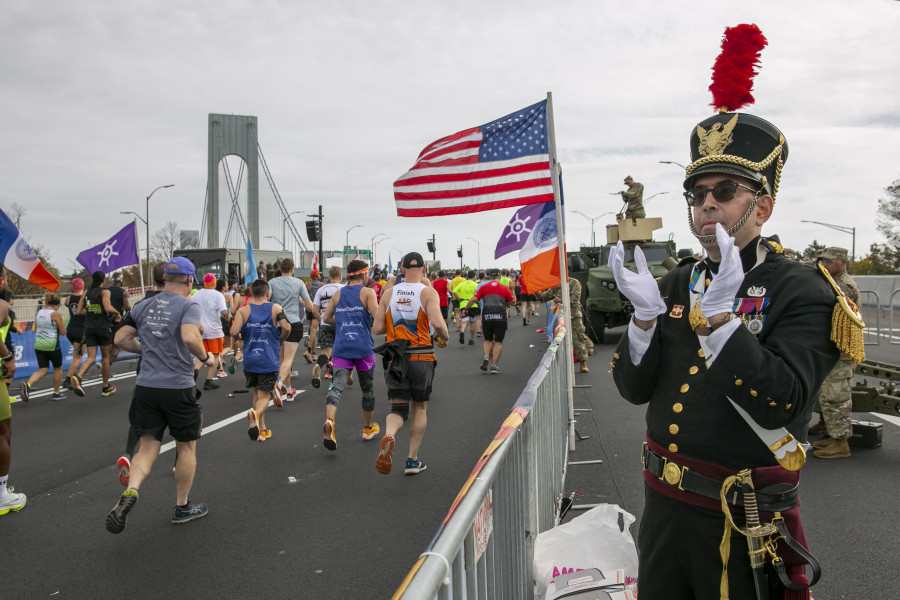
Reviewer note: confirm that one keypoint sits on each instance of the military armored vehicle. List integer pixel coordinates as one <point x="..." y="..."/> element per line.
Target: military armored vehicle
<point x="604" y="306"/>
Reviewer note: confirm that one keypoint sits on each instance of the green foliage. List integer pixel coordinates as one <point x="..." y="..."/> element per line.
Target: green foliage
<point x="883" y="259"/>
<point x="808" y="256"/>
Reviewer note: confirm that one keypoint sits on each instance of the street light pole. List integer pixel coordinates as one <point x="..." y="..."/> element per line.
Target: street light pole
<point x="672" y="162"/>
<point x="850" y="230"/>
<point x="284" y="224"/>
<point x="592" y="220"/>
<point x="347" y="245"/>
<point x="478" y="249"/>
<point x="147" y="223"/>
<point x="277" y="240"/>
<point x="372" y="246"/>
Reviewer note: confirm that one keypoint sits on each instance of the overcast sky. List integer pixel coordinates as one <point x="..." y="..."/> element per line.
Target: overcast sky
<point x="104" y="101"/>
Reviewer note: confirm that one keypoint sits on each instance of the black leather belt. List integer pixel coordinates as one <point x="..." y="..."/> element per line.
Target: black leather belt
<point x="775" y="498"/>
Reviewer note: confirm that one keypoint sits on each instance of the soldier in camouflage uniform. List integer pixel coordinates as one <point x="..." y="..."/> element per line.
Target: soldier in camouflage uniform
<point x="635" y="198"/>
<point x="580" y="341"/>
<point x="835" y="397"/>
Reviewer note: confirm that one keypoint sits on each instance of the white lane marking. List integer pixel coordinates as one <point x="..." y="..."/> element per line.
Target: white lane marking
<point x="209" y="429"/>
<point x="889" y="418"/>
<point x="84" y="384"/>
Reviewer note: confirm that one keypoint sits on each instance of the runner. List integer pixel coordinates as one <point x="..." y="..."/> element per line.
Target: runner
<point x="164" y="395"/>
<point x="227" y="343"/>
<point x="75" y="329"/>
<point x="406" y="317"/>
<point x="496" y="299"/>
<point x="98" y="311"/>
<point x="325" y="335"/>
<point x="289" y="292"/>
<point x="48" y="326"/>
<point x="212" y="311"/>
<point x="441" y="286"/>
<point x="315" y="282"/>
<point x="457" y="311"/>
<point x="257" y="323"/>
<point x="350" y="312"/>
<point x="465" y="291"/>
<point x="118" y="297"/>
<point x="10" y="500"/>
<point x="527" y="300"/>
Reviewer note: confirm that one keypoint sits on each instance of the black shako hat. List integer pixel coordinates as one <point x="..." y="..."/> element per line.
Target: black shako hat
<point x="733" y="143"/>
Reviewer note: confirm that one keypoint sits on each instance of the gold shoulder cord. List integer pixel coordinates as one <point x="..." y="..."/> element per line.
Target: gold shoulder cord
<point x="846" y="322"/>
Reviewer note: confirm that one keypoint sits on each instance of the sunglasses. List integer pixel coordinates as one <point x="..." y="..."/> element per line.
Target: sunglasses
<point x="722" y="192"/>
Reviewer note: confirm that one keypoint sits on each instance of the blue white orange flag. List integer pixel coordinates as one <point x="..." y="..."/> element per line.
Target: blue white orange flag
<point x="500" y="164"/>
<point x="249" y="264"/>
<point x="121" y="250"/>
<point x="19" y="258"/>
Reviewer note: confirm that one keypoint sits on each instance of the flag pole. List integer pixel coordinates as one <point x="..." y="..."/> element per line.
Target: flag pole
<point x="140" y="270"/>
<point x="563" y="273"/>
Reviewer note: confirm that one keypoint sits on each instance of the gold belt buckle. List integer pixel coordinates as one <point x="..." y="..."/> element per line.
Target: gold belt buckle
<point x="673" y="474"/>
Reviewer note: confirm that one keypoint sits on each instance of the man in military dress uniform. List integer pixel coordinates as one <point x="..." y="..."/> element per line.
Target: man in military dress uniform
<point x="836" y="399"/>
<point x="721" y="350"/>
<point x="634" y="196"/>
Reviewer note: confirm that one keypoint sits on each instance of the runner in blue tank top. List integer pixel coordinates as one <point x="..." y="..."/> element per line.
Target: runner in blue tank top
<point x="350" y="311"/>
<point x="257" y="323"/>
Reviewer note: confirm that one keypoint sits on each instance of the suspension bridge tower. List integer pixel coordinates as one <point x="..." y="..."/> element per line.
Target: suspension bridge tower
<point x="232" y="135"/>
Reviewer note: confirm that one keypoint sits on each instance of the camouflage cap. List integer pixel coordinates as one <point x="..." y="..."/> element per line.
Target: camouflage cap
<point x="831" y="253"/>
<point x="627" y="179"/>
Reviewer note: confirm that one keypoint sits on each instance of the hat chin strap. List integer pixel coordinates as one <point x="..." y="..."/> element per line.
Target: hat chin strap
<point x="711" y="239"/>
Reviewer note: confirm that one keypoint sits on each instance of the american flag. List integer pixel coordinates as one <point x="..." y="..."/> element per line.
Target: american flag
<point x="497" y="165"/>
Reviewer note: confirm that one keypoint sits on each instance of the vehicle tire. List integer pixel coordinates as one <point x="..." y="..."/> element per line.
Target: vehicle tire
<point x="596" y="329"/>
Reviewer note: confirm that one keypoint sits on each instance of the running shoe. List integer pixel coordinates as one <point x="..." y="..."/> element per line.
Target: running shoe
<point x="330" y="440"/>
<point x="58" y="396"/>
<point x="13" y="502"/>
<point x="535" y="313"/>
<point x="471" y="342"/>
<point x="478" y="333"/>
<point x="76" y="386"/>
<point x="329" y="370"/>
<point x="24" y="388"/>
<point x="316" y="371"/>
<point x="495" y="370"/>
<point x="294" y="373"/>
<point x="414" y="467"/>
<point x="253" y="432"/>
<point x="221" y="374"/>
<point x="209" y="384"/>
<point x="230" y="366"/>
<point x="110" y="390"/>
<point x="524" y="321"/>
<point x="290" y="393"/>
<point x="124" y="464"/>
<point x="307" y="357"/>
<point x="67" y="383"/>
<point x="115" y="520"/>
<point x="462" y="337"/>
<point x="383" y="462"/>
<point x="371" y="432"/>
<point x="278" y="395"/>
<point x="183" y="514"/>
<point x="484" y="363"/>
<point x="266" y="433"/>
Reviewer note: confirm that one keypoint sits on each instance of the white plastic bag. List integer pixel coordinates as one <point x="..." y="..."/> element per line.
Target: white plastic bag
<point x="590" y="540"/>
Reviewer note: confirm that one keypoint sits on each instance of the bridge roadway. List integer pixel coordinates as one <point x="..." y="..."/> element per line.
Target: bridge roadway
<point x="343" y="530"/>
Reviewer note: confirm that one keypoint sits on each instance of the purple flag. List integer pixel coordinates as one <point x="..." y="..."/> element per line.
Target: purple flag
<point x="516" y="232"/>
<point x="118" y="251"/>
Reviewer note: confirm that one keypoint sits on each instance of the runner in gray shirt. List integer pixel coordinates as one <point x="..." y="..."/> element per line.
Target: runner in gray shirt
<point x="289" y="292"/>
<point x="164" y="396"/>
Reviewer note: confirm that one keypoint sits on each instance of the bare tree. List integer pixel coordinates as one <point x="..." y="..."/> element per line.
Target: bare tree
<point x="164" y="242"/>
<point x="16" y="212"/>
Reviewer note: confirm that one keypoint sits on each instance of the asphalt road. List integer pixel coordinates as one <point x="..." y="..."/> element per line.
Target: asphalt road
<point x="343" y="530"/>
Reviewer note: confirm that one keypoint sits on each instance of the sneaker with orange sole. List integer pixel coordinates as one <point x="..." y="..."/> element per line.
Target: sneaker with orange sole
<point x="330" y="440"/>
<point x="253" y="432"/>
<point x="371" y="432"/>
<point x="383" y="462"/>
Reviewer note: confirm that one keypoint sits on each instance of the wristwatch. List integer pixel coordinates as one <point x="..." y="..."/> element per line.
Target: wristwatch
<point x="8" y="357"/>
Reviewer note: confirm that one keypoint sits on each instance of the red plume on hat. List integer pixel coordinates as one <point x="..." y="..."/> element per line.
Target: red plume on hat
<point x="736" y="66"/>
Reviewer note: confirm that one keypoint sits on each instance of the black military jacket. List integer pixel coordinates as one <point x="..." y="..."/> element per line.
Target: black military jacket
<point x="774" y="374"/>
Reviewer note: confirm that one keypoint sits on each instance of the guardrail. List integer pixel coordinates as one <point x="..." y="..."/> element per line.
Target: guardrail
<point x="484" y="547"/>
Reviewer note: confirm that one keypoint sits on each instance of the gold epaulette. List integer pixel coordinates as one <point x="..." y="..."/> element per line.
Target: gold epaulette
<point x="846" y="322"/>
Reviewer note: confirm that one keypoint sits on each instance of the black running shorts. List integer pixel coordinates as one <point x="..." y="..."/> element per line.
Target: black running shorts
<point x="75" y="336"/>
<point x="494" y="331"/>
<point x="261" y="381"/>
<point x="416" y="385"/>
<point x="47" y="357"/>
<point x="155" y="409"/>
<point x="296" y="332"/>
<point x="97" y="337"/>
<point x="325" y="336"/>
<point x="472" y="312"/>
<point x="445" y="312"/>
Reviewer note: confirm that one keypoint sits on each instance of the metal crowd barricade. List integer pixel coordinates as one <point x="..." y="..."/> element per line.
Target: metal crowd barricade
<point x="871" y="314"/>
<point x="484" y="547"/>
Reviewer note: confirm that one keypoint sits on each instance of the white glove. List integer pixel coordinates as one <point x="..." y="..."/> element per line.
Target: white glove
<point x="638" y="287"/>
<point x="719" y="296"/>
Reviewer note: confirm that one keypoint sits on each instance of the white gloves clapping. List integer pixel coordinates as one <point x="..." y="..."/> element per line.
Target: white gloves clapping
<point x="720" y="294"/>
<point x="640" y="287"/>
